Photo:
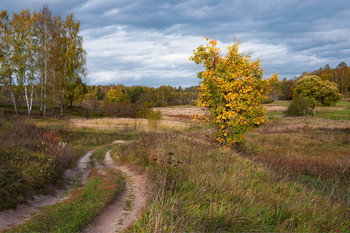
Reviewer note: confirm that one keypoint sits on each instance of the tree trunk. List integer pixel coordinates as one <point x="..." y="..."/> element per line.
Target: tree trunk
<point x="313" y="111"/>
<point x="26" y="96"/>
<point x="31" y="98"/>
<point x="45" y="95"/>
<point x="53" y="97"/>
<point x="62" y="101"/>
<point x="41" y="96"/>
<point x="14" y="102"/>
<point x="45" y="75"/>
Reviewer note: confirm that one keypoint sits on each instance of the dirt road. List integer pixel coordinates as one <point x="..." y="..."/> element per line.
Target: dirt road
<point x="128" y="206"/>
<point x="23" y="212"/>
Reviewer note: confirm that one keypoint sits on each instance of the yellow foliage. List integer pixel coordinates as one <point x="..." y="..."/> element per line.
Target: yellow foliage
<point x="232" y="89"/>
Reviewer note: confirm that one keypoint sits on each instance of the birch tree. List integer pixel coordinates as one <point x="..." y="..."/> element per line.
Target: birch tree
<point x="45" y="37"/>
<point x="23" y="25"/>
<point x="74" y="57"/>
<point x="6" y="56"/>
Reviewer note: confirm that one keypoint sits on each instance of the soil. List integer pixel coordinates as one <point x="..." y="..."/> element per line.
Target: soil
<point x="127" y="206"/>
<point x="23" y="212"/>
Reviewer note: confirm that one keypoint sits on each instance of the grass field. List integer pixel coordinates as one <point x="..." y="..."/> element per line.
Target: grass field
<point x="204" y="188"/>
<point x="291" y="175"/>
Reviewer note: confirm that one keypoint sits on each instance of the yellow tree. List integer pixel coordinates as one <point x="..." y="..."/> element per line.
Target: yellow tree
<point x="113" y="96"/>
<point x="232" y="90"/>
<point x="24" y="52"/>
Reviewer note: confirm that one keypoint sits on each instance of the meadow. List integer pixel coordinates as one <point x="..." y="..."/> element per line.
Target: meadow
<point x="291" y="174"/>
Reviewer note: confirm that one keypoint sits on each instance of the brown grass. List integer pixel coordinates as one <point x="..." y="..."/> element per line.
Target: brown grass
<point x="312" y="147"/>
<point x="126" y="124"/>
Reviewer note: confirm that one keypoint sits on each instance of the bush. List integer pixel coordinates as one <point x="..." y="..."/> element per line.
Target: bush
<point x="268" y="100"/>
<point x="298" y="107"/>
<point x="154" y="118"/>
<point x="120" y="110"/>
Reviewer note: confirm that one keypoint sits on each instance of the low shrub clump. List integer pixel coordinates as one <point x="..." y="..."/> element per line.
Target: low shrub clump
<point x="269" y="100"/>
<point x="30" y="159"/>
<point x="298" y="107"/>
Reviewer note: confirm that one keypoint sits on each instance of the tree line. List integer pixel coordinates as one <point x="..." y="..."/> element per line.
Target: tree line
<point x="42" y="59"/>
<point x="155" y="97"/>
<point x="340" y="75"/>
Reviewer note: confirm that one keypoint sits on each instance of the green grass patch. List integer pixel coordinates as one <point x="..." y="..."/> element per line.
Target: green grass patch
<point x="100" y="153"/>
<point x="82" y="207"/>
<point x="275" y="114"/>
<point x="280" y="103"/>
<point x="335" y="115"/>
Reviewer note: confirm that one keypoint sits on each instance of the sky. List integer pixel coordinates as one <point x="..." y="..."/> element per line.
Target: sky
<point x="149" y="42"/>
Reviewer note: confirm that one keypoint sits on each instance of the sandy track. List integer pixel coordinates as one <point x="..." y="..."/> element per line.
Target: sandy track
<point x="23" y="212"/>
<point x="119" y="215"/>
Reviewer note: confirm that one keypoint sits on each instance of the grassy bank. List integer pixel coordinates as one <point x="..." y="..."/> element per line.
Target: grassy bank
<point x="84" y="205"/>
<point x="31" y="158"/>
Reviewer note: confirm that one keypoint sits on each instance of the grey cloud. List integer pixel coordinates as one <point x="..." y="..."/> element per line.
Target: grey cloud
<point x="149" y="41"/>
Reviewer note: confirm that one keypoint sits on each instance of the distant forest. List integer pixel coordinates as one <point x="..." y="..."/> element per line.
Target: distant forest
<point x="339" y="75"/>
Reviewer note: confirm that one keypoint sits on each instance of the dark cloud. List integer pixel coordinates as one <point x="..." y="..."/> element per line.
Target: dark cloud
<point x="148" y="42"/>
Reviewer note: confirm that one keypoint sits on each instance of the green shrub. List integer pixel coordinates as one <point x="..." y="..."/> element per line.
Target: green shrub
<point x="268" y="100"/>
<point x="298" y="107"/>
<point x="154" y="118"/>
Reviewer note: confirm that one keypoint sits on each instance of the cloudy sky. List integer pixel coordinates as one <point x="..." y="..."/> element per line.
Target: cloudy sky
<point x="148" y="42"/>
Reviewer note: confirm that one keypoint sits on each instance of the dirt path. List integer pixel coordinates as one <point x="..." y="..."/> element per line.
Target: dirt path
<point x="23" y="212"/>
<point x="127" y="207"/>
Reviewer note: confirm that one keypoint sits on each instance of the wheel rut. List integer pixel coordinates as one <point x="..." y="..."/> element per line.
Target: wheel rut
<point x="125" y="209"/>
<point x="127" y="206"/>
<point x="23" y="212"/>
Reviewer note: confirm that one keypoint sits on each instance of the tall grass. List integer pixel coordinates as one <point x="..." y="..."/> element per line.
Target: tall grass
<point x="314" y="150"/>
<point x="208" y="189"/>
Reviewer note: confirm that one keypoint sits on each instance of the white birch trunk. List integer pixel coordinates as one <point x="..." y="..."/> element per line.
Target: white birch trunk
<point x="26" y="96"/>
<point x="31" y="98"/>
<point x="14" y="102"/>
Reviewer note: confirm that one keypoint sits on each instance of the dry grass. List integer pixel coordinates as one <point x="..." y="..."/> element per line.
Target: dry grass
<point x="203" y="188"/>
<point x="270" y="108"/>
<point x="180" y="112"/>
<point x="126" y="124"/>
<point x="314" y="149"/>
